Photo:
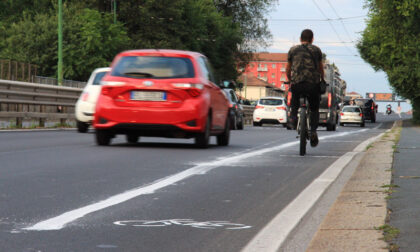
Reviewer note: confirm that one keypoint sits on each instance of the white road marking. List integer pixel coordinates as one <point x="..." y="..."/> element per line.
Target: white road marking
<point x="273" y="235"/>
<point x="59" y="222"/>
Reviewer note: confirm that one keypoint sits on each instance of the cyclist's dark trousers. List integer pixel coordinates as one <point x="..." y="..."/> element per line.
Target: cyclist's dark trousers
<point x="312" y="90"/>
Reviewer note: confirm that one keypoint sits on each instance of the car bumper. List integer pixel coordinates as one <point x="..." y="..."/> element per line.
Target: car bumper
<point x="188" y="117"/>
<point x="85" y="111"/>
<point x="351" y="120"/>
<point x="279" y="116"/>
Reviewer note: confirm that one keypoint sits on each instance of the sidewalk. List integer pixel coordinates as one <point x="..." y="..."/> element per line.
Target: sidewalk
<point x="361" y="208"/>
<point x="405" y="201"/>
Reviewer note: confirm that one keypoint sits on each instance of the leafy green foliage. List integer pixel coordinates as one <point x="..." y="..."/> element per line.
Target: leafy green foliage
<point x="391" y="43"/>
<point x="224" y="31"/>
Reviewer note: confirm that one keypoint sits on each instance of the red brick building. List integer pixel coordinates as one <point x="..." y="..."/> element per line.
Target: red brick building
<point x="270" y="67"/>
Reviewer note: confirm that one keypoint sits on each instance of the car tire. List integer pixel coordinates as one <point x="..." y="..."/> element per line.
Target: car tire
<point x="82" y="127"/>
<point x="223" y="139"/>
<point x="256" y="124"/>
<point x="284" y="125"/>
<point x="132" y="138"/>
<point x="330" y="127"/>
<point x="233" y="123"/>
<point x="103" y="137"/>
<point x="341" y="124"/>
<point x="362" y="124"/>
<point x="241" y="124"/>
<point x="202" y="139"/>
<point x="373" y="120"/>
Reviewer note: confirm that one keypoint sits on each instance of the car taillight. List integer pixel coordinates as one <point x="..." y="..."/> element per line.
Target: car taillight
<point x="341" y="114"/>
<point x="236" y="106"/>
<point x="281" y="108"/>
<point x="289" y="99"/>
<point x="360" y="114"/>
<point x="106" y="90"/>
<point x="193" y="89"/>
<point x="329" y="100"/>
<point x="85" y="96"/>
<point x="259" y="107"/>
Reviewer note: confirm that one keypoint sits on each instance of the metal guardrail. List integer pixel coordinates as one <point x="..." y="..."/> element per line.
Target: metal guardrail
<point x="54" y="81"/>
<point x="30" y="100"/>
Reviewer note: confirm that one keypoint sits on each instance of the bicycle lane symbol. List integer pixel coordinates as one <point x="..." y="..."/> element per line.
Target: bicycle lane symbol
<point x="183" y="222"/>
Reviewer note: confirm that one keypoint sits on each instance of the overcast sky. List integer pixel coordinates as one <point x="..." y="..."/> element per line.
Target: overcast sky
<point x="336" y="38"/>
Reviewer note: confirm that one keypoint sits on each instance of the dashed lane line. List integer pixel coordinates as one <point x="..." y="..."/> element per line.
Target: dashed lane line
<point x="59" y="222"/>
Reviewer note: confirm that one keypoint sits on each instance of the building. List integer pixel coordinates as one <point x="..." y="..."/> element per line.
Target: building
<point x="269" y="67"/>
<point x="354" y="95"/>
<point x="254" y="88"/>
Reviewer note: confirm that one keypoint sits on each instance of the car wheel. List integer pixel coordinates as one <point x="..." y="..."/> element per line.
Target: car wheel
<point x="233" y="123"/>
<point x="284" y="125"/>
<point x="103" y="137"/>
<point x="256" y="124"/>
<point x="330" y="127"/>
<point x="341" y="124"/>
<point x="132" y="138"/>
<point x="82" y="127"/>
<point x="223" y="139"/>
<point x="241" y="124"/>
<point x="202" y="139"/>
<point x="362" y="124"/>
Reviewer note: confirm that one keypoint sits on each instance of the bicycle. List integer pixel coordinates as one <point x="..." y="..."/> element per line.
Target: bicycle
<point x="303" y="124"/>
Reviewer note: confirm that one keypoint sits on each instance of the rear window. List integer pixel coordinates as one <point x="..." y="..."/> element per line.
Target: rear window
<point x="153" y="67"/>
<point x="273" y="102"/>
<point x="98" y="78"/>
<point x="351" y="109"/>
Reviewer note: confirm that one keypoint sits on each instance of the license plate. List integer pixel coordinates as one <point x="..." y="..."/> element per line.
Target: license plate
<point x="147" y="96"/>
<point x="269" y="109"/>
<point x="322" y="116"/>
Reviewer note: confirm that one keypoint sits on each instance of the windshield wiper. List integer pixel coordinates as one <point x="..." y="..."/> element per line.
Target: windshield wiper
<point x="139" y="74"/>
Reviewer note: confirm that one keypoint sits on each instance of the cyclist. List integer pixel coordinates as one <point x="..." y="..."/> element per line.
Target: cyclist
<point x="304" y="79"/>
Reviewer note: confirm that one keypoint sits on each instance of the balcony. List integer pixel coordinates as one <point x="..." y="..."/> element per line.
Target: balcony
<point x="264" y="78"/>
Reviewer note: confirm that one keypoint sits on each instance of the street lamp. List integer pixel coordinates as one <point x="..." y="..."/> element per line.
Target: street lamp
<point x="60" y="42"/>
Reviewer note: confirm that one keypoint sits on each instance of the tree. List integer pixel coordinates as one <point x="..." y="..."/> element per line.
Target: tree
<point x="390" y="43"/>
<point x="250" y="15"/>
<point x="91" y="40"/>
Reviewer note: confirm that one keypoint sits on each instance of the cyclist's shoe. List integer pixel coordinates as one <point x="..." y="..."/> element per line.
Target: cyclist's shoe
<point x="314" y="139"/>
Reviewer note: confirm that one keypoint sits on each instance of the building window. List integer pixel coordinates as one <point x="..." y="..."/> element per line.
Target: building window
<point x="283" y="78"/>
<point x="274" y="66"/>
<point x="283" y="69"/>
<point x="259" y="75"/>
<point x="273" y="75"/>
<point x="273" y="83"/>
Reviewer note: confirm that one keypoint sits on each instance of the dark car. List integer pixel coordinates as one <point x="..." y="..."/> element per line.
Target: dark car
<point x="236" y="110"/>
<point x="369" y="108"/>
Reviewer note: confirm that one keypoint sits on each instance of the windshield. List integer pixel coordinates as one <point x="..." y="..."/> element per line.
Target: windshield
<point x="273" y="102"/>
<point x="351" y="109"/>
<point x="153" y="67"/>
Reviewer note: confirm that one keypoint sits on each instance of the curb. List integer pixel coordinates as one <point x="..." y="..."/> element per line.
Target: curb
<point x="352" y="221"/>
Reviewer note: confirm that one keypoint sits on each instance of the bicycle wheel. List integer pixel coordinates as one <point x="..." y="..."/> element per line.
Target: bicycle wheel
<point x="303" y="131"/>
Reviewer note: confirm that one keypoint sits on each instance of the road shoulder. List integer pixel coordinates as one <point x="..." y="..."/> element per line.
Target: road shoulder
<point x="353" y="220"/>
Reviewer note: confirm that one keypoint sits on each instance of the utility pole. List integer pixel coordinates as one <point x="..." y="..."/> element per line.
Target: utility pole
<point x="60" y="42"/>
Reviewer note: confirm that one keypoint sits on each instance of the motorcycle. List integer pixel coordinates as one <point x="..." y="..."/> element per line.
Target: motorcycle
<point x="388" y="111"/>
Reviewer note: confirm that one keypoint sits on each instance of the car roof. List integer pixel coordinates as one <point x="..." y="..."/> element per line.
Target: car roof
<point x="102" y="69"/>
<point x="351" y="106"/>
<point x="272" y="97"/>
<point x="160" y="52"/>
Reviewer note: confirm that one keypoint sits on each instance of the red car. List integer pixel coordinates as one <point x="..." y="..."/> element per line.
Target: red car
<point x="164" y="93"/>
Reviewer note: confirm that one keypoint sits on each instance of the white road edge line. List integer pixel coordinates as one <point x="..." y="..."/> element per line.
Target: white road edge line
<point x="273" y="235"/>
<point x="59" y="222"/>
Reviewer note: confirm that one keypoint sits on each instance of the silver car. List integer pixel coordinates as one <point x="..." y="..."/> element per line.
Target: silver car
<point x="352" y="115"/>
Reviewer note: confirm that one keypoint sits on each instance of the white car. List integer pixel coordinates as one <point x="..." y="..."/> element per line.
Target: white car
<point x="85" y="106"/>
<point x="270" y="110"/>
<point x="352" y="115"/>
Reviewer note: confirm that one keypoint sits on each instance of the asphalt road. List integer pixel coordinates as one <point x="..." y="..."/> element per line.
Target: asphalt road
<point x="157" y="195"/>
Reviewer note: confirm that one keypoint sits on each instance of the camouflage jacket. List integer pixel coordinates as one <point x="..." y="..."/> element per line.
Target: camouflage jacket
<point x="302" y="65"/>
